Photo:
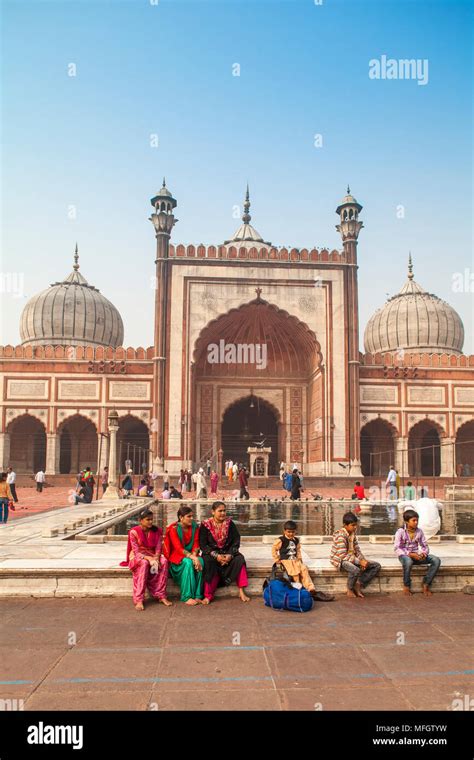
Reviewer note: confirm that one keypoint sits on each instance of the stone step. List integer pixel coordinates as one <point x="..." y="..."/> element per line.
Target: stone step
<point x="118" y="582"/>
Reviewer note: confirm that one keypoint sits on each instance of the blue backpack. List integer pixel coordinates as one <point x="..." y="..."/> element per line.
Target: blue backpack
<point x="280" y="596"/>
<point x="287" y="482"/>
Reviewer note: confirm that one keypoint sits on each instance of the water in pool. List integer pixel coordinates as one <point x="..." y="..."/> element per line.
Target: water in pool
<point x="315" y="518"/>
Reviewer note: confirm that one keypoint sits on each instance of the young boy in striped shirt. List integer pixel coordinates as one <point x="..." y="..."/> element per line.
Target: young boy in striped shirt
<point x="346" y="555"/>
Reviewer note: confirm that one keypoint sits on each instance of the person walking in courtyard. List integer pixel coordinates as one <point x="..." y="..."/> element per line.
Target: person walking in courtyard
<point x="189" y="481"/>
<point x="181" y="547"/>
<point x="411" y="549"/>
<point x="105" y="479"/>
<point x="409" y="491"/>
<point x="208" y="467"/>
<point x="127" y="484"/>
<point x="230" y="471"/>
<point x="145" y="559"/>
<point x="295" y="485"/>
<point x="201" y="485"/>
<point x="219" y="540"/>
<point x="182" y="481"/>
<point x="40" y="478"/>
<point x="346" y="555"/>
<point x="11" y="480"/>
<point x="6" y="498"/>
<point x="391" y="483"/>
<point x="214" y="482"/>
<point x="243" y="481"/>
<point x="286" y="551"/>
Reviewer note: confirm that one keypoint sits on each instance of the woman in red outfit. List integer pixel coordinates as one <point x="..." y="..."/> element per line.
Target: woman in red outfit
<point x="181" y="547"/>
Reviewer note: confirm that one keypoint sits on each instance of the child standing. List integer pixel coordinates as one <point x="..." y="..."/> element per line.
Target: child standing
<point x="287" y="551"/>
<point x="411" y="548"/>
<point x="346" y="555"/>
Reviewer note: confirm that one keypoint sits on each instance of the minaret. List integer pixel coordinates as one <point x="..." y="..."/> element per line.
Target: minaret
<point x="349" y="228"/>
<point x="163" y="221"/>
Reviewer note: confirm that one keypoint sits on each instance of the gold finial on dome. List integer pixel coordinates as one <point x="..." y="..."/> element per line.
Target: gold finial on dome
<point x="76" y="259"/>
<point x="410" y="266"/>
<point x="246" y="216"/>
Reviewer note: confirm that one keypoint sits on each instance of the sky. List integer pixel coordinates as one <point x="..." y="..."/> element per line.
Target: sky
<point x="102" y="99"/>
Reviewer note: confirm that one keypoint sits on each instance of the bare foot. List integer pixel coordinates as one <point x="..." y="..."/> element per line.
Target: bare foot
<point x="192" y="602"/>
<point x="166" y="602"/>
<point x="139" y="606"/>
<point x="244" y="596"/>
<point x="427" y="591"/>
<point x="206" y="601"/>
<point x="351" y="594"/>
<point x="407" y="591"/>
<point x="358" y="591"/>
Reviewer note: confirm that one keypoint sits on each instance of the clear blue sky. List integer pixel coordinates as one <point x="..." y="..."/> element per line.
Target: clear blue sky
<point x="167" y="69"/>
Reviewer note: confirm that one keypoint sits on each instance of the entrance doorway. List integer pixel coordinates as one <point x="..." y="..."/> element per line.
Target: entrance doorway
<point x="248" y="422"/>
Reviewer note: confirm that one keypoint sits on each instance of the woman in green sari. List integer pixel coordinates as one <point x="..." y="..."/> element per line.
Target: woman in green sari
<point x="180" y="547"/>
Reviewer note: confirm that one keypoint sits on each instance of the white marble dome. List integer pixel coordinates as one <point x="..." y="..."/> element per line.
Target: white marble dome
<point x="414" y="320"/>
<point x="71" y="313"/>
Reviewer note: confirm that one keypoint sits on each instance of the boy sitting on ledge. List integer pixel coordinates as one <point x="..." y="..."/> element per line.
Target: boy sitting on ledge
<point x="287" y="551"/>
<point x="346" y="555"/>
<point x="411" y="548"/>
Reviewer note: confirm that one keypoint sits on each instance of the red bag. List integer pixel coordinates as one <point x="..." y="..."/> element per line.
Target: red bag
<point x="11" y="506"/>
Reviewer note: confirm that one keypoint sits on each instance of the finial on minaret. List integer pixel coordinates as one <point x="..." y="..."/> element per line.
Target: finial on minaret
<point x="76" y="259"/>
<point x="410" y="266"/>
<point x="164" y="182"/>
<point x="348" y="189"/>
<point x="246" y="216"/>
<point x="258" y="292"/>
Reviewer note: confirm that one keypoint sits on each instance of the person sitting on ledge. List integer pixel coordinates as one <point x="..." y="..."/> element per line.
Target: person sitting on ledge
<point x="144" y="558"/>
<point x="175" y="494"/>
<point x="143" y="489"/>
<point x="84" y="493"/>
<point x="359" y="491"/>
<point x="411" y="549"/>
<point x="287" y="551"/>
<point x="346" y="555"/>
<point x="181" y="547"/>
<point x="219" y="540"/>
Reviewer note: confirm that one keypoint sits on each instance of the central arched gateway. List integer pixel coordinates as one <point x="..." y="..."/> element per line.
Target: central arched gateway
<point x="248" y="422"/>
<point x="257" y="374"/>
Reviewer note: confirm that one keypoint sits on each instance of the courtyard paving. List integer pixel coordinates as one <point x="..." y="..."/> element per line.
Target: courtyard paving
<point x="100" y="654"/>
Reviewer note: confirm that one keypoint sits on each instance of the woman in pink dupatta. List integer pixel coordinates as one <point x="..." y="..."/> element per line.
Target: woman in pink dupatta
<point x="144" y="558"/>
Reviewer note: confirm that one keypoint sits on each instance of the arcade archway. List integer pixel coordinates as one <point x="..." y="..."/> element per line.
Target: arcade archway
<point x="248" y="422"/>
<point x="27" y="444"/>
<point x="133" y="444"/>
<point x="424" y="449"/>
<point x="78" y="445"/>
<point x="377" y="448"/>
<point x="465" y="450"/>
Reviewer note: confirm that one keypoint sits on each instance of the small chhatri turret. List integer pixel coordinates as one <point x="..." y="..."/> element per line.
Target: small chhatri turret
<point x="247" y="236"/>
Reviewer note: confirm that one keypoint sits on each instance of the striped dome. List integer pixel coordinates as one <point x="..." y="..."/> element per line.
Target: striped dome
<point x="415" y="320"/>
<point x="71" y="313"/>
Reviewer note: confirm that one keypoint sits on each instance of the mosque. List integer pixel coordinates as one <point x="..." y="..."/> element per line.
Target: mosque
<point x="282" y="327"/>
